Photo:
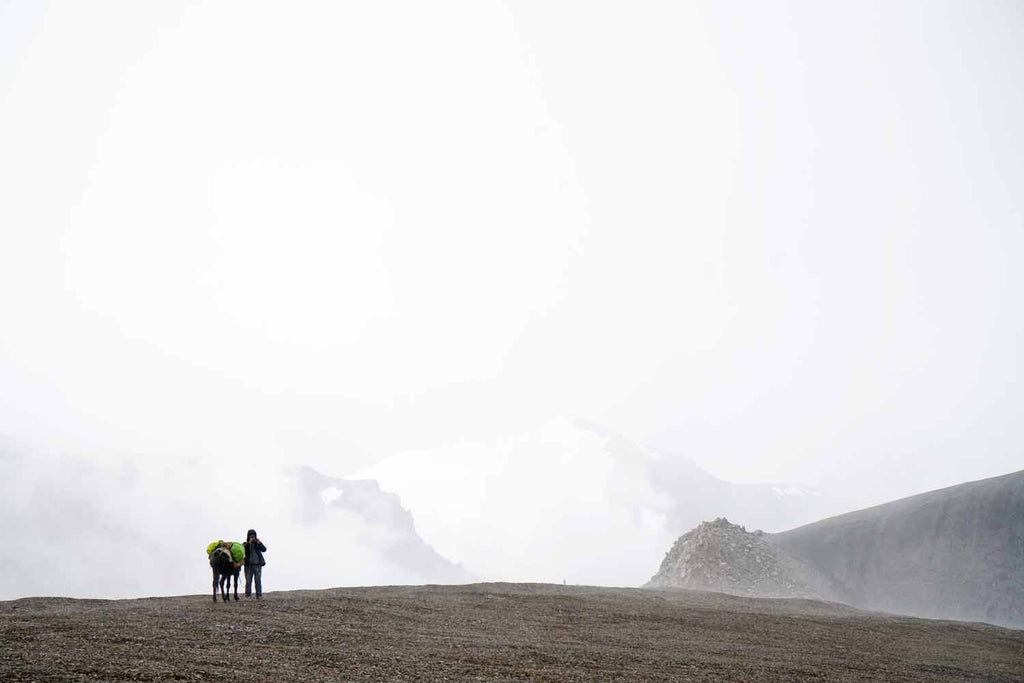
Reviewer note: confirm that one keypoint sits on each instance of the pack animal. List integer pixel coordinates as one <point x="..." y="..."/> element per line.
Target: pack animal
<point x="223" y="570"/>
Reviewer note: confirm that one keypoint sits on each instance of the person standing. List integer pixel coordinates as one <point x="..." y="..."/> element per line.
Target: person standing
<point x="254" y="562"/>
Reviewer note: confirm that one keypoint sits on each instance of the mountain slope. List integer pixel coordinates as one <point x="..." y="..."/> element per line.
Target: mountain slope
<point x="955" y="552"/>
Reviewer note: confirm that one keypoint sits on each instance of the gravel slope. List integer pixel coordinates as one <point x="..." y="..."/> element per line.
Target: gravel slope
<point x="495" y="632"/>
<point x="954" y="553"/>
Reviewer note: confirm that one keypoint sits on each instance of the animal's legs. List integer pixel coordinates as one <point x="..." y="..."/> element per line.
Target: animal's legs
<point x="215" y="577"/>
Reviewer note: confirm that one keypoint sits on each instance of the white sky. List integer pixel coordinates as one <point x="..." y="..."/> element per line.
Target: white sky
<point x="783" y="239"/>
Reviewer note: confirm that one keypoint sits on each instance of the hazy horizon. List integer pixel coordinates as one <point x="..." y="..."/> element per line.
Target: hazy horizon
<point x="779" y="240"/>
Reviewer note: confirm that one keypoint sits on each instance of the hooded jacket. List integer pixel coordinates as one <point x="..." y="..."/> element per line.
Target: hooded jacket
<point x="254" y="551"/>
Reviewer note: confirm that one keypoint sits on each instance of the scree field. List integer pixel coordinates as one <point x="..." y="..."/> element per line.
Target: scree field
<point x="491" y="632"/>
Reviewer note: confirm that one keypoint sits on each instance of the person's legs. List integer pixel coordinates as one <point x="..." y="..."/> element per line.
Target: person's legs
<point x="257" y="571"/>
<point x="248" y="581"/>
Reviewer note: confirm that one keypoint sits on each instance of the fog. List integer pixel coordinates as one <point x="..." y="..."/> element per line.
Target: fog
<point x="772" y="243"/>
<point x="112" y="525"/>
<point x="571" y="501"/>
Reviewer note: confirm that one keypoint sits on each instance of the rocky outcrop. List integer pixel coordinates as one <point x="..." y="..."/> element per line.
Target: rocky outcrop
<point x="724" y="557"/>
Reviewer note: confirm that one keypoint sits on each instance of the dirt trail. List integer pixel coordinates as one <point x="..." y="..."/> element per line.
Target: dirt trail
<point x="494" y="632"/>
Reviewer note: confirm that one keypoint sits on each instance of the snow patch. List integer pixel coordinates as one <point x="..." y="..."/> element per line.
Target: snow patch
<point x="330" y="494"/>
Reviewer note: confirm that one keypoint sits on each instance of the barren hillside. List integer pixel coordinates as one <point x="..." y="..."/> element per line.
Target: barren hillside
<point x="956" y="552"/>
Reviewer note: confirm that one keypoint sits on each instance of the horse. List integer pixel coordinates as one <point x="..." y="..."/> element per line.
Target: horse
<point x="223" y="566"/>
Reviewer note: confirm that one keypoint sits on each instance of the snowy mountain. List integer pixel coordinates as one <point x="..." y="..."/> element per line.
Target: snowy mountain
<point x="388" y="527"/>
<point x="570" y="501"/>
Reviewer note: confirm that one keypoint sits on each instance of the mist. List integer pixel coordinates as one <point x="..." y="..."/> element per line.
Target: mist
<point x="249" y="255"/>
<point x="573" y="502"/>
<point x="109" y="525"/>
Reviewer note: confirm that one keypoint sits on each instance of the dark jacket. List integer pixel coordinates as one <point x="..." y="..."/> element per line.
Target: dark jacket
<point x="254" y="550"/>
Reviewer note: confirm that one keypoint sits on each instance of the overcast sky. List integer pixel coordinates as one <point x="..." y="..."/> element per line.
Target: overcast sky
<point x="782" y="239"/>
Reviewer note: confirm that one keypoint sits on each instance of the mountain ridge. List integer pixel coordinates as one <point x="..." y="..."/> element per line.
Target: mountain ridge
<point x="953" y="552"/>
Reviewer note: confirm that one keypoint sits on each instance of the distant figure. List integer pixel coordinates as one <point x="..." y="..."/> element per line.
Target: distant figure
<point x="254" y="562"/>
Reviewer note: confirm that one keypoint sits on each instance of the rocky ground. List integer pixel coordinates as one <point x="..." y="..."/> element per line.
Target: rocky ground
<point x="494" y="632"/>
